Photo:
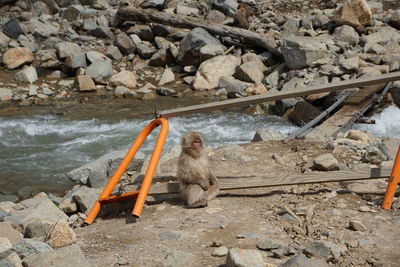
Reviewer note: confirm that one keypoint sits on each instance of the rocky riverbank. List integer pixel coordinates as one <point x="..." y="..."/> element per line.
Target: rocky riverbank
<point x="66" y="55"/>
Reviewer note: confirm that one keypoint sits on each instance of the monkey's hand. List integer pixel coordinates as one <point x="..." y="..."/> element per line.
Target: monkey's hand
<point x="204" y="185"/>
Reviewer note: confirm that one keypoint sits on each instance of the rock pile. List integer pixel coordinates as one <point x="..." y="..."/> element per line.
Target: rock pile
<point x="59" y="48"/>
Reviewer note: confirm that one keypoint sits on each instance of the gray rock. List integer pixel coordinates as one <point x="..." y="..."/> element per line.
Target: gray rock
<point x="73" y="13"/>
<point x="12" y="28"/>
<point x="374" y="156"/>
<point x="185" y="10"/>
<point x="157" y="4"/>
<point x="300" y="52"/>
<point x="5" y="247"/>
<point x="27" y="75"/>
<point x="68" y="206"/>
<point x="5" y="94"/>
<point x="8" y="232"/>
<point x="89" y="24"/>
<point x="160" y="30"/>
<point x="233" y="85"/>
<point x="113" y="52"/>
<point x="167" y="77"/>
<point x="178" y="258"/>
<point x="100" y="70"/>
<point x="209" y="51"/>
<point x="228" y="7"/>
<point x="122" y="91"/>
<point x="303" y="113"/>
<point x="290" y="27"/>
<point x="161" y="58"/>
<point x="85" y="198"/>
<point x="300" y="260"/>
<point x="165" y="91"/>
<point x="36" y="229"/>
<point x="4" y="41"/>
<point x="383" y="36"/>
<point x="12" y="260"/>
<point x="349" y="64"/>
<point x="215" y="16"/>
<point x="29" y="247"/>
<point x="47" y="58"/>
<point x="145" y="51"/>
<point x="317" y="249"/>
<point x="357" y="226"/>
<point x="220" y="252"/>
<point x="42" y="30"/>
<point x="320" y="20"/>
<point x="65" y="49"/>
<point x="244" y="257"/>
<point x="125" y="43"/>
<point x="192" y="43"/>
<point x="102" y="32"/>
<point x="143" y="31"/>
<point x="268" y="245"/>
<point x="267" y="135"/>
<point x="66" y="256"/>
<point x="76" y="60"/>
<point x="93" y="56"/>
<point x="346" y="34"/>
<point x="325" y="162"/>
<point x="249" y="72"/>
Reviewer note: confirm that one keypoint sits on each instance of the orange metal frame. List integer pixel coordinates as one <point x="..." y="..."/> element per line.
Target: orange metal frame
<point x="392" y="183"/>
<point x="141" y="194"/>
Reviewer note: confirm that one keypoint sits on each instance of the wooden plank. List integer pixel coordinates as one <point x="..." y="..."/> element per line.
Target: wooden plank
<point x="346" y="116"/>
<point x="378" y="79"/>
<point x="242" y="35"/>
<point x="282" y="180"/>
<point x="362" y="95"/>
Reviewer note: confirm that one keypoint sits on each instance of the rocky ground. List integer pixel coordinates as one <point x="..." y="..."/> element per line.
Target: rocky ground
<point x="59" y="56"/>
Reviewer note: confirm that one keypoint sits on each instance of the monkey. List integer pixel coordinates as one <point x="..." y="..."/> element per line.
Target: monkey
<point x="244" y="12"/>
<point x="197" y="183"/>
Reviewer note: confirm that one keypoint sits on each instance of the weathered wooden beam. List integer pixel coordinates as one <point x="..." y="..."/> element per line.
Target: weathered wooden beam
<point x="282" y="180"/>
<point x="143" y="15"/>
<point x="378" y="79"/>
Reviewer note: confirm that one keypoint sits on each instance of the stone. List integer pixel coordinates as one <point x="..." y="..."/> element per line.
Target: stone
<point x="157" y="4"/>
<point x="68" y="206"/>
<point x="61" y="235"/>
<point x="122" y="91"/>
<point x="215" y="16"/>
<point x="325" y="162"/>
<point x="357" y="226"/>
<point x="251" y="57"/>
<point x="167" y="77"/>
<point x="100" y="71"/>
<point x="264" y="134"/>
<point x="66" y="256"/>
<point x="7" y="231"/>
<point x="12" y="28"/>
<point x="357" y="135"/>
<point x="5" y="247"/>
<point x="160" y="29"/>
<point x="125" y="43"/>
<point x="395" y="19"/>
<point x="36" y="229"/>
<point x="16" y="57"/>
<point x="210" y="71"/>
<point x="165" y="91"/>
<point x="75" y="61"/>
<point x="124" y="78"/>
<point x="233" y="85"/>
<point x="27" y="75"/>
<point x="301" y="260"/>
<point x="300" y="52"/>
<point x="72" y="13"/>
<point x="374" y="155"/>
<point x="178" y="258"/>
<point x="272" y="79"/>
<point x="354" y="13"/>
<point x="269" y="245"/>
<point x="256" y="89"/>
<point x="85" y="198"/>
<point x="303" y="113"/>
<point x="317" y="249"/>
<point x="5" y="94"/>
<point x="185" y="10"/>
<point x="209" y="51"/>
<point x="113" y="52"/>
<point x="249" y="72"/>
<point x="29" y="247"/>
<point x="192" y="43"/>
<point x="89" y="24"/>
<point x="145" y="51"/>
<point x="38" y="207"/>
<point x="65" y="49"/>
<point x="47" y="58"/>
<point x="349" y="64"/>
<point x="13" y="260"/>
<point x="244" y="257"/>
<point x="102" y="32"/>
<point x="4" y="41"/>
<point x="228" y="7"/>
<point x="93" y="56"/>
<point x="161" y="58"/>
<point x="220" y="252"/>
<point x="346" y="34"/>
<point x="320" y="20"/>
<point x="84" y="83"/>
<point x="143" y="31"/>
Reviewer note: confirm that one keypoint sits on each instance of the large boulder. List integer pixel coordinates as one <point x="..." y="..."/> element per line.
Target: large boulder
<point x="300" y="52"/>
<point x="15" y="57"/>
<point x="346" y="34"/>
<point x="61" y="235"/>
<point x="7" y="231"/>
<point x="354" y="13"/>
<point x="124" y="78"/>
<point x="210" y="71"/>
<point x="192" y="43"/>
<point x="383" y="35"/>
<point x="233" y="85"/>
<point x="65" y="49"/>
<point x="29" y="247"/>
<point x="244" y="257"/>
<point x="100" y="71"/>
<point x="228" y="7"/>
<point x="249" y="72"/>
<point x="125" y="43"/>
<point x="27" y="75"/>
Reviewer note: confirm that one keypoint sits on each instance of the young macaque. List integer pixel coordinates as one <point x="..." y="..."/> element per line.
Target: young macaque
<point x="197" y="183"/>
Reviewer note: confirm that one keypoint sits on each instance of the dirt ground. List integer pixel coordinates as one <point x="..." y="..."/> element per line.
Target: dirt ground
<point x="245" y="218"/>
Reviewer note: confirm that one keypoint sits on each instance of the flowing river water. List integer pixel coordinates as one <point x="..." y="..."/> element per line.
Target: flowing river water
<point x="39" y="150"/>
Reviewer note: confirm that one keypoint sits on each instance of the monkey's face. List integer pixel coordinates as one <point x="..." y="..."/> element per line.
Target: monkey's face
<point x="192" y="144"/>
<point x="197" y="145"/>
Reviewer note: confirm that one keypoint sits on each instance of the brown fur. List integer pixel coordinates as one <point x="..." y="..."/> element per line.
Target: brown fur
<point x="197" y="183"/>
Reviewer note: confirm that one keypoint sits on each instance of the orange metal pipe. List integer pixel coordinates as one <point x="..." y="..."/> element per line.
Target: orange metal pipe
<point x="392" y="183"/>
<point x="144" y="190"/>
<point x="127" y="159"/>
